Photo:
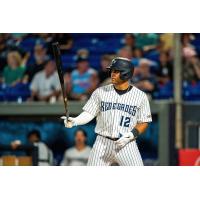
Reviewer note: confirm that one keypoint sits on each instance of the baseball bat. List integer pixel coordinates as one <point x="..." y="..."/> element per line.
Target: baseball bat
<point x="57" y="56"/>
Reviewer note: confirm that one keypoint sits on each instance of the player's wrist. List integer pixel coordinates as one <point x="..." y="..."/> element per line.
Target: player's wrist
<point x="135" y="133"/>
<point x="73" y="121"/>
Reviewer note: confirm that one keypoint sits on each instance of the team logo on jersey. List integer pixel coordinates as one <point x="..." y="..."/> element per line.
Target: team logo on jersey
<point x="105" y="106"/>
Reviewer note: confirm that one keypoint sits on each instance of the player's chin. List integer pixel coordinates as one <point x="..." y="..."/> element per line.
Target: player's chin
<point x="113" y="81"/>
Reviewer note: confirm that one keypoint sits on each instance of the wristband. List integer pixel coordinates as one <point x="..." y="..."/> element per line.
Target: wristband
<point x="135" y="133"/>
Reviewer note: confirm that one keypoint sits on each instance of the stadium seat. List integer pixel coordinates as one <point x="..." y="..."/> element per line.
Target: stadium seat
<point x="191" y="92"/>
<point x="98" y="43"/>
<point x="19" y="91"/>
<point x="164" y="91"/>
<point x="9" y="160"/>
<point x="196" y="42"/>
<point x="68" y="60"/>
<point x="24" y="161"/>
<point x="28" y="44"/>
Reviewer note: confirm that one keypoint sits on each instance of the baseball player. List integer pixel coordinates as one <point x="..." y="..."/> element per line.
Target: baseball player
<point x="122" y="113"/>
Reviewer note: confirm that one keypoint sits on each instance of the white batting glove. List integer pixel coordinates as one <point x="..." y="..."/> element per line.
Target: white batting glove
<point x="124" y="140"/>
<point x="70" y="122"/>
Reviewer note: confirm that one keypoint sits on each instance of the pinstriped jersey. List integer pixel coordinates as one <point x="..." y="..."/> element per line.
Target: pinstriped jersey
<point x="118" y="114"/>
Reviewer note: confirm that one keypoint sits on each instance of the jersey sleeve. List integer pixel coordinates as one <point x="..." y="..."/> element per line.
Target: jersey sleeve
<point x="92" y="105"/>
<point x="144" y="114"/>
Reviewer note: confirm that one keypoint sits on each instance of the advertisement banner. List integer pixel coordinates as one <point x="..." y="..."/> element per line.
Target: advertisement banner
<point x="189" y="157"/>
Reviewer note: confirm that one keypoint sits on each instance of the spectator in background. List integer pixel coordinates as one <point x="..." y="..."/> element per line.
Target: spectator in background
<point x="77" y="155"/>
<point x="103" y="72"/>
<point x="83" y="53"/>
<point x="125" y="52"/>
<point x="13" y="72"/>
<point x="186" y="39"/>
<point x="166" y="42"/>
<point x="147" y="41"/>
<point x="18" y="37"/>
<point x="84" y="80"/>
<point x="46" y="37"/>
<point x="129" y="40"/>
<point x="191" y="66"/>
<point x="138" y="53"/>
<point x="144" y="80"/>
<point x="45" y="155"/>
<point x="165" y="70"/>
<point x="45" y="85"/>
<point x="137" y="56"/>
<point x="41" y="57"/>
<point x="65" y="40"/>
<point x="3" y="50"/>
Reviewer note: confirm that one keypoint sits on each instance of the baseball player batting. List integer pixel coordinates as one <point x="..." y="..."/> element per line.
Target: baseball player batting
<point x="122" y="113"/>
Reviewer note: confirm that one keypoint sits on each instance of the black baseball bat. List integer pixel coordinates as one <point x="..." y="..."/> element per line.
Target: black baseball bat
<point x="57" y="56"/>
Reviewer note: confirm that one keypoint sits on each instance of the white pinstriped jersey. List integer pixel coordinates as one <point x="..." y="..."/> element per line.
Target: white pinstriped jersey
<point x="118" y="114"/>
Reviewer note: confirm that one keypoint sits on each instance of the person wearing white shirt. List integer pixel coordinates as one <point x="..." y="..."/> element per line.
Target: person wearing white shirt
<point x="79" y="154"/>
<point x="45" y="84"/>
<point x="44" y="153"/>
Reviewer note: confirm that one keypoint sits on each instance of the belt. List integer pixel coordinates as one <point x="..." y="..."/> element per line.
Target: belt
<point x="110" y="138"/>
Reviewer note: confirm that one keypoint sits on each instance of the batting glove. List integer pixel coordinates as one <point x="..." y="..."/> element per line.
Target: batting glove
<point x="70" y="122"/>
<point x="124" y="140"/>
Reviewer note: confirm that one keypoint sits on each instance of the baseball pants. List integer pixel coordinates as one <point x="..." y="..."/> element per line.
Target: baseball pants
<point x="105" y="153"/>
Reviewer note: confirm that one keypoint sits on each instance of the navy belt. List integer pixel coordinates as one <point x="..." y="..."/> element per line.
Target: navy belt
<point x="110" y="138"/>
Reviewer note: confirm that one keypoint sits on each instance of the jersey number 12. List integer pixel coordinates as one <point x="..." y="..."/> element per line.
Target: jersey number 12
<point x="125" y="121"/>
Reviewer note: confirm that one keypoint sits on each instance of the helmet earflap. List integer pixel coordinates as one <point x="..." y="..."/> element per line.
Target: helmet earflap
<point x="126" y="75"/>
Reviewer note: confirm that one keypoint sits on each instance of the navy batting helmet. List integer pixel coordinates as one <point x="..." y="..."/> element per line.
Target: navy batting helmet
<point x="124" y="66"/>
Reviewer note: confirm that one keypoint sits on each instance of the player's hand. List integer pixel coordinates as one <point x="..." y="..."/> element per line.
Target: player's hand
<point x="69" y="123"/>
<point x="15" y="144"/>
<point x="124" y="140"/>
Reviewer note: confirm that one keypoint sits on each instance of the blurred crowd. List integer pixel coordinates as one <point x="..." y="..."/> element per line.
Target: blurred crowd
<point x="76" y="155"/>
<point x="28" y="71"/>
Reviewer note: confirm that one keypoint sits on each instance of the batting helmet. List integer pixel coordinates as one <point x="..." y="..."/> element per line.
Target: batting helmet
<point x="124" y="66"/>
